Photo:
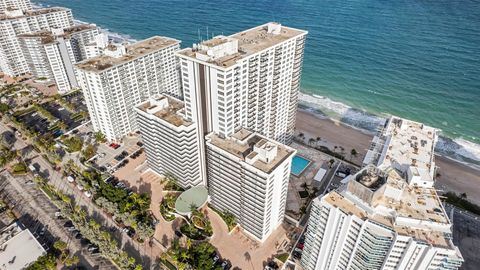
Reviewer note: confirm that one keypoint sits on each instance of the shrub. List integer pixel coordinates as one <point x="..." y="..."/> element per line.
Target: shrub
<point x="73" y="144"/>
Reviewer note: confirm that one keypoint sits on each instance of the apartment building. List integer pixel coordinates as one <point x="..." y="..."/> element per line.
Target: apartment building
<point x="18" y="22"/>
<point x="114" y="83"/>
<point x="170" y="140"/>
<point x="407" y="146"/>
<point x="23" y="5"/>
<point x="248" y="175"/>
<point x="52" y="54"/>
<point x="250" y="79"/>
<point x="379" y="221"/>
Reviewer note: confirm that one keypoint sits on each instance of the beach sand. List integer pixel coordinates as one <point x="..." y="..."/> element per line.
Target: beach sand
<point x="454" y="176"/>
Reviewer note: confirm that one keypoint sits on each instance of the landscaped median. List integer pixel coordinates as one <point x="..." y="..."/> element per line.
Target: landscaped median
<point x="127" y="208"/>
<point x="89" y="228"/>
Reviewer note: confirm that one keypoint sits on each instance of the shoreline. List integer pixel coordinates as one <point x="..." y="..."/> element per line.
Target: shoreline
<point x="457" y="149"/>
<point x="454" y="175"/>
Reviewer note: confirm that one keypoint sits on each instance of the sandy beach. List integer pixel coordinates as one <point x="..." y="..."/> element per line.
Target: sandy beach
<point x="454" y="176"/>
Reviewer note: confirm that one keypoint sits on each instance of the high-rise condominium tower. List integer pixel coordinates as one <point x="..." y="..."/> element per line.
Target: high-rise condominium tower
<point x="250" y="79"/>
<point x="17" y="22"/>
<point x="51" y="54"/>
<point x="240" y="93"/>
<point x="114" y="83"/>
<point x="379" y="221"/>
<point x="170" y="140"/>
<point x="387" y="216"/>
<point x="248" y="176"/>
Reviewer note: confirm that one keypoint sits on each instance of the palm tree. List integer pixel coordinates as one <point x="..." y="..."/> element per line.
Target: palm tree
<point x="311" y="141"/>
<point x="353" y="153"/>
<point x="304" y="186"/>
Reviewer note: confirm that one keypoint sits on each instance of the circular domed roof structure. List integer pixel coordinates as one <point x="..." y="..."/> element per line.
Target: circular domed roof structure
<point x="195" y="196"/>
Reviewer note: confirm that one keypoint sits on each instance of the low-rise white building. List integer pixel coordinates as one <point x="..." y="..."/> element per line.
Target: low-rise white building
<point x="170" y="141"/>
<point x="18" y="248"/>
<point x="248" y="176"/>
<point x="378" y="221"/>
<point x="114" y="83"/>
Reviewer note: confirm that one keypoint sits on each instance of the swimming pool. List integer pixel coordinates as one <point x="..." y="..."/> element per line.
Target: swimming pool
<point x="299" y="164"/>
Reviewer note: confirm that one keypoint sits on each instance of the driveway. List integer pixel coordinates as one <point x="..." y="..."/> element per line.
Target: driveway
<point x="243" y="252"/>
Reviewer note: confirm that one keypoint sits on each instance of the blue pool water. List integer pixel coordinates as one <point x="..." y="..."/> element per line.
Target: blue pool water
<point x="299" y="164"/>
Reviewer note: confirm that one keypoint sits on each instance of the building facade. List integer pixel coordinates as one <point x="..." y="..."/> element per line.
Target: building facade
<point x="170" y="140"/>
<point x="248" y="176"/>
<point x="125" y="76"/>
<point x="249" y="79"/>
<point x="378" y="221"/>
<point x="18" y="22"/>
<point x="8" y="5"/>
<point x="52" y="54"/>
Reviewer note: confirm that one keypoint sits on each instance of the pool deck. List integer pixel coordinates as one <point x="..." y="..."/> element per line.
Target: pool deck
<point x="294" y="202"/>
<point x="310" y="162"/>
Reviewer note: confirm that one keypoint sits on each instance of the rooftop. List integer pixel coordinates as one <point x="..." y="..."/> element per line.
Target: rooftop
<point x="29" y="13"/>
<point x="350" y="207"/>
<point x="18" y="248"/>
<point x="166" y="108"/>
<point x="48" y="37"/>
<point x="392" y="191"/>
<point x="241" y="45"/>
<point x="417" y="211"/>
<point x="254" y="149"/>
<point x="405" y="145"/>
<point x="133" y="51"/>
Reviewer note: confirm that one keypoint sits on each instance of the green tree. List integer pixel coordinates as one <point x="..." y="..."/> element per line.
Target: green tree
<point x="45" y="262"/>
<point x="100" y="137"/>
<point x="4" y="108"/>
<point x="353" y="153"/>
<point x="89" y="151"/>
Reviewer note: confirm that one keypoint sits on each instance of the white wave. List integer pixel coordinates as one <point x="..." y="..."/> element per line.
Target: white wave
<point x="340" y="111"/>
<point x="460" y="149"/>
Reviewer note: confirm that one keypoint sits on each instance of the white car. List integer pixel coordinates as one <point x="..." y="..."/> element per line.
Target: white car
<point x="70" y="179"/>
<point x="80" y="187"/>
<point x="88" y="194"/>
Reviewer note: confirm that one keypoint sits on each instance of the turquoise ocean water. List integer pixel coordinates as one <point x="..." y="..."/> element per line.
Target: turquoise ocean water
<point x="418" y="59"/>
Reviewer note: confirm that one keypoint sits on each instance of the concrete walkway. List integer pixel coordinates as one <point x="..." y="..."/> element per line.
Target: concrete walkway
<point x="241" y="251"/>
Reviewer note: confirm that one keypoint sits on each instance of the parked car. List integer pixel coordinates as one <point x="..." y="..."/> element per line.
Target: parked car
<point x="71" y="179"/>
<point x="226" y="265"/>
<point x="80" y="187"/>
<point x="88" y="194"/>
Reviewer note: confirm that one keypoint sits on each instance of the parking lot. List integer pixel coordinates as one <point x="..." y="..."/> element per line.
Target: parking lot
<point x="63" y="114"/>
<point x="112" y="159"/>
<point x="35" y="122"/>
